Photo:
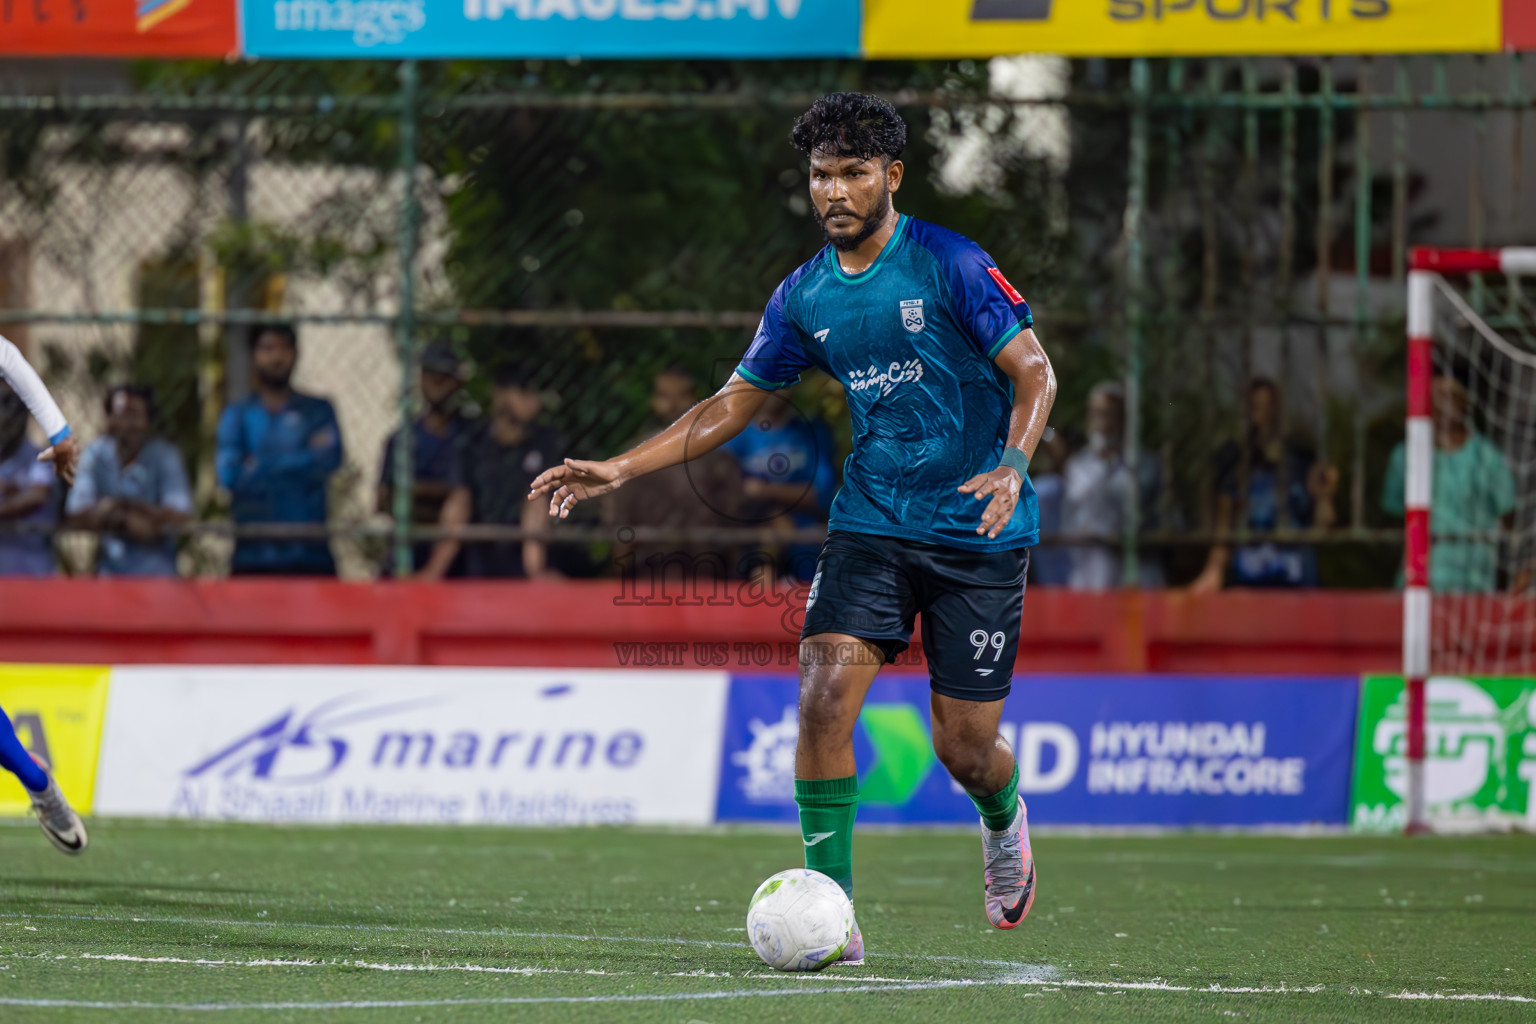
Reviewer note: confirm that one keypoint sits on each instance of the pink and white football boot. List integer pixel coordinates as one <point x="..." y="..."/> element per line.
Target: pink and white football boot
<point x="853" y="953"/>
<point x="1010" y="871"/>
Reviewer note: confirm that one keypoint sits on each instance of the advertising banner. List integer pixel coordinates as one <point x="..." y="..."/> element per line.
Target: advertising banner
<point x="1092" y="750"/>
<point x="118" y="28"/>
<point x="57" y="712"/>
<point x="1127" y="28"/>
<point x="420" y="746"/>
<point x="1479" y="753"/>
<point x="1519" y="25"/>
<point x="551" y="28"/>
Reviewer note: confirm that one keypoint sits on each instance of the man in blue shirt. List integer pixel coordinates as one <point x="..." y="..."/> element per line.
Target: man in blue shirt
<point x="949" y="392"/>
<point x="27" y="495"/>
<point x="276" y="450"/>
<point x="434" y="439"/>
<point x="787" y="478"/>
<point x="130" y="489"/>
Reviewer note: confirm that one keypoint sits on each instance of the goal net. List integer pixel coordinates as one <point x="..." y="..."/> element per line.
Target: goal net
<point x="1468" y="478"/>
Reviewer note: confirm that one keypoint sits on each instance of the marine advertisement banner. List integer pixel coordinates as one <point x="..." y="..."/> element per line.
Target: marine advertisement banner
<point x="1093" y="750"/>
<point x="412" y="745"/>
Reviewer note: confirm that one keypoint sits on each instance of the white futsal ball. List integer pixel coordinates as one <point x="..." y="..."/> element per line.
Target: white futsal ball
<point x="799" y="920"/>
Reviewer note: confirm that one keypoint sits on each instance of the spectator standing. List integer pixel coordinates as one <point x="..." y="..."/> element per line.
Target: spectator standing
<point x="698" y="495"/>
<point x="1096" y="483"/>
<point x="1473" y="493"/>
<point x="1280" y="474"/>
<point x="494" y="467"/>
<point x="1050" y="564"/>
<point x="131" y="489"/>
<point x="435" y="436"/>
<point x="276" y="452"/>
<point x="27" y="495"/>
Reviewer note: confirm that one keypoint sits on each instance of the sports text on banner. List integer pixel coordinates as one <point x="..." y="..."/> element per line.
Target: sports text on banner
<point x="1114" y="28"/>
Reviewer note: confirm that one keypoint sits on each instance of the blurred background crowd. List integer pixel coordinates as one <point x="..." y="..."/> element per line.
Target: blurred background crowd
<point x="293" y="309"/>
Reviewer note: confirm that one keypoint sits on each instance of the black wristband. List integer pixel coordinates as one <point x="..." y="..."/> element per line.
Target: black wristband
<point x="1015" y="460"/>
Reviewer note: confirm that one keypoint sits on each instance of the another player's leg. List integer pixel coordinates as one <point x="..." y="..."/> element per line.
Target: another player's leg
<point x="836" y="671"/>
<point x="966" y="738"/>
<point x="59" y="821"/>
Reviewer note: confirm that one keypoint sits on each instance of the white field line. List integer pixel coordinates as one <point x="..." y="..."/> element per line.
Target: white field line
<point x="495" y="933"/>
<point x="1024" y="974"/>
<point x="129" y="958"/>
<point x="1460" y="997"/>
<point x="680" y="997"/>
<point x="483" y="969"/>
<point x="1035" y="978"/>
<point x="396" y="1004"/>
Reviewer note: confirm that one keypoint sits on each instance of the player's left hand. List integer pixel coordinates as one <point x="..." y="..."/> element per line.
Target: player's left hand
<point x="1002" y="486"/>
<point x="64" y="457"/>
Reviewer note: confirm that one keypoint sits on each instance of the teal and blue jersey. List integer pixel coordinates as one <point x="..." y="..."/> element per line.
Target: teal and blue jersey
<point x="912" y="340"/>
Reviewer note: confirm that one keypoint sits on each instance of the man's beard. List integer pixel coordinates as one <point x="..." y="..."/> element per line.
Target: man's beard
<point x="870" y="225"/>
<point x="275" y="381"/>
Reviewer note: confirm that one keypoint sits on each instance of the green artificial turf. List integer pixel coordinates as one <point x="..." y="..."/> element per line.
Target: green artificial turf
<point x="647" y="925"/>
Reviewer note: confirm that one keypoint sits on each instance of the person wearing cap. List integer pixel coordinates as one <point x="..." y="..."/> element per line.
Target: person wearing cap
<point x="435" y="436"/>
<point x="493" y="467"/>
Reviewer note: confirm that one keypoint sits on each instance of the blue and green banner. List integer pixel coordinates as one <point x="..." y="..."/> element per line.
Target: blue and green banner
<point x="720" y="29"/>
<point x="1170" y="751"/>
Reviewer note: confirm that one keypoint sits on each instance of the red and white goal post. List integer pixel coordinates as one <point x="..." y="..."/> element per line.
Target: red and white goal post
<point x="1481" y="630"/>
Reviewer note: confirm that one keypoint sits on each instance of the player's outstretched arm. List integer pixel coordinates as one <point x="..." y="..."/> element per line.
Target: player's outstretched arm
<point x="61" y="450"/>
<point x="1034" y="392"/>
<point x="696" y="433"/>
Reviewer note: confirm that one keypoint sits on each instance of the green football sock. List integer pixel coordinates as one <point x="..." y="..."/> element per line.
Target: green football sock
<point x="827" y="810"/>
<point x="998" y="809"/>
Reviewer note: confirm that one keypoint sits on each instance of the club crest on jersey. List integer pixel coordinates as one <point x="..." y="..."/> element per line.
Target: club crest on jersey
<point x="912" y="315"/>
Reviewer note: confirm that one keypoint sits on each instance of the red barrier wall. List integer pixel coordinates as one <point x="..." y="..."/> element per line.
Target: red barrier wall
<point x="587" y="624"/>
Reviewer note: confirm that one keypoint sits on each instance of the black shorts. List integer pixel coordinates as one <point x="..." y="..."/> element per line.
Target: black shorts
<point x="972" y="603"/>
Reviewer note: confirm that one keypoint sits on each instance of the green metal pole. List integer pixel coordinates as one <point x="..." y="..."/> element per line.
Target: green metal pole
<point x="405" y="325"/>
<point x="1363" y="238"/>
<point x="1135" y="279"/>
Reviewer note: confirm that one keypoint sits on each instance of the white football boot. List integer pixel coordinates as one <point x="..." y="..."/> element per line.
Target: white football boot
<point x="59" y="821"/>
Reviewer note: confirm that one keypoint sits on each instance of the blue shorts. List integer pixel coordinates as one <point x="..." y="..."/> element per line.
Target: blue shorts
<point x="972" y="603"/>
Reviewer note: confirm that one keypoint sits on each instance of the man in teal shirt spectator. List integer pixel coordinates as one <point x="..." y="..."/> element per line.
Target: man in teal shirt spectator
<point x="276" y="450"/>
<point x="1474" y="494"/>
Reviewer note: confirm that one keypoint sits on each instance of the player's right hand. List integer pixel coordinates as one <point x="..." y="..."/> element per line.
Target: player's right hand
<point x="64" y="456"/>
<point x="574" y="481"/>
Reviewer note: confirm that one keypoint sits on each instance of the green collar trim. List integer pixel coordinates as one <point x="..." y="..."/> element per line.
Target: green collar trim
<point x="880" y="261"/>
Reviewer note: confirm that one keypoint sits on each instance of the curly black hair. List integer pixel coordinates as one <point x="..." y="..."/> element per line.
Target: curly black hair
<point x="851" y="124"/>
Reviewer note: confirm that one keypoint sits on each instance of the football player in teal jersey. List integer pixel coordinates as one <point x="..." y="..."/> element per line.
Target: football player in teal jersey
<point x="949" y="391"/>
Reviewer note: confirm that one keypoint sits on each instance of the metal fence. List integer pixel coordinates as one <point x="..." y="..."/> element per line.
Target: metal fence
<point x="1181" y="227"/>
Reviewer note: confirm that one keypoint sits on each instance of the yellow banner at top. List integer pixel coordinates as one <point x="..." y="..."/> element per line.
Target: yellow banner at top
<point x="1127" y="28"/>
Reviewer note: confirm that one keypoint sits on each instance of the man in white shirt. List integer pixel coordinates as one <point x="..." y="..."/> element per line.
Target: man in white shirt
<point x="1095" y="486"/>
